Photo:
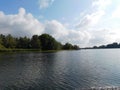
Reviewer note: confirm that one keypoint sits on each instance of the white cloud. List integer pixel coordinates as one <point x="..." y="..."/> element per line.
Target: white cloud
<point x="90" y="19"/>
<point x="55" y="28"/>
<point x="45" y="3"/>
<point x="63" y="34"/>
<point x="20" y="24"/>
<point x="79" y="37"/>
<point x="93" y="24"/>
<point x="24" y="24"/>
<point x="104" y="36"/>
<point x="101" y="4"/>
<point x="116" y="13"/>
<point x="100" y="37"/>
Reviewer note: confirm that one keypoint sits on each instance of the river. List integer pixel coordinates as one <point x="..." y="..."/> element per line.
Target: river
<point x="62" y="70"/>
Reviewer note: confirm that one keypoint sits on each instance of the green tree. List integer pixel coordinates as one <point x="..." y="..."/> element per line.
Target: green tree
<point x="35" y="42"/>
<point x="68" y="46"/>
<point x="2" y="39"/>
<point x="76" y="47"/>
<point x="23" y="42"/>
<point x="1" y="46"/>
<point x="48" y="42"/>
<point x="10" y="42"/>
<point x="44" y="42"/>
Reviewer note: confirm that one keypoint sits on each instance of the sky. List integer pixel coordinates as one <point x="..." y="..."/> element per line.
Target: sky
<point x="82" y="22"/>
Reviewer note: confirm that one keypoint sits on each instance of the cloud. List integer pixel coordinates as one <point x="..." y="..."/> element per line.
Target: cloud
<point x="101" y="4"/>
<point x="63" y="34"/>
<point x="45" y="3"/>
<point x="100" y="36"/>
<point x="104" y="36"/>
<point x="55" y="28"/>
<point x="24" y="24"/>
<point x="87" y="32"/>
<point x="20" y="24"/>
<point x="116" y="13"/>
<point x="90" y="20"/>
<point x="92" y="23"/>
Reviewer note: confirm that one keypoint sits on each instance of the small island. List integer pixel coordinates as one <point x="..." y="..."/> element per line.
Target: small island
<point x="44" y="42"/>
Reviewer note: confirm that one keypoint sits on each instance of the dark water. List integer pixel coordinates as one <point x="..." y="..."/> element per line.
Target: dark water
<point x="64" y="70"/>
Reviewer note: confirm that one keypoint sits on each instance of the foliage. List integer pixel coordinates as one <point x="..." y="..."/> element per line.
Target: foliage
<point x="48" y="42"/>
<point x="7" y="41"/>
<point x="69" y="46"/>
<point x="41" y="42"/>
<point x="23" y="43"/>
<point x="10" y="42"/>
<point x="2" y="47"/>
<point x="35" y="42"/>
<point x="76" y="47"/>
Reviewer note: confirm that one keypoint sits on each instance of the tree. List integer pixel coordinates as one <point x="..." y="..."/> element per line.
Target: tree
<point x="23" y="42"/>
<point x="95" y="47"/>
<point x="68" y="46"/>
<point x="1" y="42"/>
<point x="2" y="39"/>
<point x="102" y="46"/>
<point x="76" y="47"/>
<point x="2" y="47"/>
<point x="113" y="45"/>
<point x="35" y="42"/>
<point x="48" y="42"/>
<point x="44" y="42"/>
<point x="10" y="42"/>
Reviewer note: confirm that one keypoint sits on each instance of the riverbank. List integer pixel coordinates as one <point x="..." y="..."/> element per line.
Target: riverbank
<point x="27" y="50"/>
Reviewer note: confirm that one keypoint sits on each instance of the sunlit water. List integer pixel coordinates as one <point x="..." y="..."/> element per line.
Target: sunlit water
<point x="63" y="70"/>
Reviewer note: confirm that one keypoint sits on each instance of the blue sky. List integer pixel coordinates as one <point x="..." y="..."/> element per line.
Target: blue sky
<point x="58" y="10"/>
<point x="81" y="22"/>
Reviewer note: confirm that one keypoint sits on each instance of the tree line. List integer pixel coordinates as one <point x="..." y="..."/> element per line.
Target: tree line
<point x="113" y="45"/>
<point x="41" y="42"/>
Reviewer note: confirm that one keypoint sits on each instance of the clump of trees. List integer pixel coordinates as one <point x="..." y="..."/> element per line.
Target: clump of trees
<point x="70" y="46"/>
<point x="41" y="42"/>
<point x="113" y="45"/>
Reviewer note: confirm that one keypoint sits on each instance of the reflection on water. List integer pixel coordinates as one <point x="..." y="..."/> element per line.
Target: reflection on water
<point x="64" y="70"/>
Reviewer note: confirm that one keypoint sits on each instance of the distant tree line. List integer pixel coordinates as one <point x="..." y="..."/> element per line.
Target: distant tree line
<point x="41" y="42"/>
<point x="113" y="45"/>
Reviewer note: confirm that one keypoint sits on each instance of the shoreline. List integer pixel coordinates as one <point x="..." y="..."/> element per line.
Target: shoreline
<point x="29" y="50"/>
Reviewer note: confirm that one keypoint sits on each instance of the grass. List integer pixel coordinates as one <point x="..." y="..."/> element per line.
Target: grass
<point x="26" y="50"/>
<point x="17" y="50"/>
<point x="2" y="47"/>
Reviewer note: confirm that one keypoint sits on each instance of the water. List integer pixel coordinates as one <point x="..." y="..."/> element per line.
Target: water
<point x="63" y="70"/>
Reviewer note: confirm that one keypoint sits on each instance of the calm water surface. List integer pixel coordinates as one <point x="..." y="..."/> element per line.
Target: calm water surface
<point x="64" y="70"/>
